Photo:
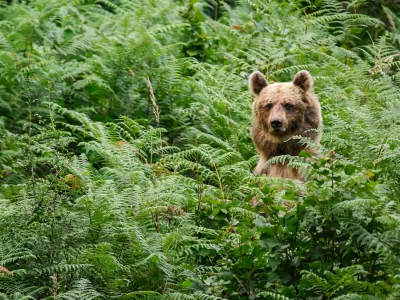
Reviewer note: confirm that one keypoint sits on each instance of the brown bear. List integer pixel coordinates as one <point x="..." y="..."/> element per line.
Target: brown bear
<point x="281" y="111"/>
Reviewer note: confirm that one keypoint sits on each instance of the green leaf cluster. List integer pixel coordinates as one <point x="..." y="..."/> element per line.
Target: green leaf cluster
<point x="126" y="159"/>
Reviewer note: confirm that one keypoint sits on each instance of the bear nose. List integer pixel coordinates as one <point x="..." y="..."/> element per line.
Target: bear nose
<point x="276" y="123"/>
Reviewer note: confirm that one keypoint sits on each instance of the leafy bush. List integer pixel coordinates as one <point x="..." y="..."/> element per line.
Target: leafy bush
<point x="126" y="155"/>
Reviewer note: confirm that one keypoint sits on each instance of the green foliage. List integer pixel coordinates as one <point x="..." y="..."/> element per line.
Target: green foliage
<point x="126" y="158"/>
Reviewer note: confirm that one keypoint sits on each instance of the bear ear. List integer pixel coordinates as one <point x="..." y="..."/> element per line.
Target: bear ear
<point x="257" y="82"/>
<point x="303" y="80"/>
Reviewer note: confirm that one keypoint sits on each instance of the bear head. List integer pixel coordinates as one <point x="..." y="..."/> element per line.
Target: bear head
<point x="284" y="109"/>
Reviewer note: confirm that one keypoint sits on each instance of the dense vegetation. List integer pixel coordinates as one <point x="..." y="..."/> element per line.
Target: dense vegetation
<point x="126" y="158"/>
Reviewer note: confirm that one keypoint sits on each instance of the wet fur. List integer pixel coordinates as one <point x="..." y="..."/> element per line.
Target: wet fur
<point x="304" y="116"/>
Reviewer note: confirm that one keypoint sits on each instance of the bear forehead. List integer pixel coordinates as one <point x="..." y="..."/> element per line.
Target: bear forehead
<point x="278" y="92"/>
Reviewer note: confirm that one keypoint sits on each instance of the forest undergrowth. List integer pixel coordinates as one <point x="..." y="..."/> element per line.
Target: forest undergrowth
<point x="126" y="159"/>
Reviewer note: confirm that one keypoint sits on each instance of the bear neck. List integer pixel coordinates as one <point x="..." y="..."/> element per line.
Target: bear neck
<point x="291" y="147"/>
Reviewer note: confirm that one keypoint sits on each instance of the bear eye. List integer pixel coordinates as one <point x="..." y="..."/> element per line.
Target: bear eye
<point x="288" y="107"/>
<point x="268" y="106"/>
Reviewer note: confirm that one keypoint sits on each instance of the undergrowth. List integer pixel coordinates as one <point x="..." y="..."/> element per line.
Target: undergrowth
<point x="126" y="156"/>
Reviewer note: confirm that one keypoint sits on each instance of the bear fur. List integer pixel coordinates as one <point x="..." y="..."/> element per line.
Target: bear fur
<point x="281" y="111"/>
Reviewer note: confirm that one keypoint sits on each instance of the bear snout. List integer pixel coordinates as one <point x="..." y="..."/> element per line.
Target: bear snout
<point x="276" y="123"/>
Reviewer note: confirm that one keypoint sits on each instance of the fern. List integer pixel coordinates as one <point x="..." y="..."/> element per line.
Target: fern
<point x="126" y="159"/>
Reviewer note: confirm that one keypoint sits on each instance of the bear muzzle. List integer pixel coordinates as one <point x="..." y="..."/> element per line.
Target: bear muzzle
<point x="276" y="123"/>
<point x="277" y="126"/>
